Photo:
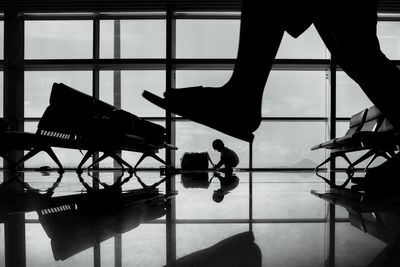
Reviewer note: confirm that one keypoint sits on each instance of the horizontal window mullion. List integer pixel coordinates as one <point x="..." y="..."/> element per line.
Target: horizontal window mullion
<point x="283" y="119"/>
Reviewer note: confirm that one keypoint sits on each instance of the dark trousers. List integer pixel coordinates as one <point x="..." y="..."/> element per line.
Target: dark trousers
<point x="348" y="29"/>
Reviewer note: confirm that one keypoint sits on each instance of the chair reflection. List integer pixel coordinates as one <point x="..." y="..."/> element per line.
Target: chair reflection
<point x="17" y="196"/>
<point x="379" y="218"/>
<point x="99" y="214"/>
<point x="79" y="221"/>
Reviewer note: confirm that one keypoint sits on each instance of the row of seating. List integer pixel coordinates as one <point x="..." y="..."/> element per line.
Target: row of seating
<point x="368" y="131"/>
<point x="76" y="120"/>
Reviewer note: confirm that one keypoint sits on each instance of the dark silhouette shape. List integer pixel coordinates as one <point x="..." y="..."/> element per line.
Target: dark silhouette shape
<point x="78" y="121"/>
<point x="348" y="29"/>
<point x="229" y="159"/>
<point x="195" y="161"/>
<point x="90" y="218"/>
<point x="377" y="217"/>
<point x="368" y="131"/>
<point x="17" y="196"/>
<point x="227" y="183"/>
<point x="237" y="250"/>
<point x="198" y="179"/>
<point x="195" y="179"/>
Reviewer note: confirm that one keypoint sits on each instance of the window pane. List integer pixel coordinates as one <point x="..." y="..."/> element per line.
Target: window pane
<point x="287" y="195"/>
<point x="389" y="38"/>
<point x="194" y="137"/>
<point x="287" y="144"/>
<point x="138" y="39"/>
<point x="1" y="39"/>
<point x="350" y="97"/>
<point x="208" y="78"/>
<point x="296" y="94"/>
<point x="38" y="86"/>
<point x="58" y="39"/>
<point x="215" y="199"/>
<point x="207" y="38"/>
<point x="132" y="85"/>
<point x="308" y="45"/>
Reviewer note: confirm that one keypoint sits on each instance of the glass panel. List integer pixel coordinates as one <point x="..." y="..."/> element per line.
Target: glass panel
<point x="144" y="245"/>
<point x="287" y="93"/>
<point x="389" y="38"/>
<point x="39" y="251"/>
<point x="138" y="39"/>
<point x="38" y="86"/>
<point x="287" y="144"/>
<point x="207" y="38"/>
<point x="296" y="94"/>
<point x="194" y="137"/>
<point x="355" y="247"/>
<point x="214" y="196"/>
<point x="308" y="45"/>
<point x="132" y="85"/>
<point x="207" y="78"/>
<point x="1" y="39"/>
<point x="280" y="195"/>
<point x="291" y="244"/>
<point x="57" y="39"/>
<point x="350" y="97"/>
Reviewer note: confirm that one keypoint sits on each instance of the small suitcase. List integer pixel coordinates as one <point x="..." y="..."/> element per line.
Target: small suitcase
<point x="195" y="161"/>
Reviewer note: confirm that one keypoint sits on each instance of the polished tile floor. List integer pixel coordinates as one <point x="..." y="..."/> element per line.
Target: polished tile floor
<point x="185" y="219"/>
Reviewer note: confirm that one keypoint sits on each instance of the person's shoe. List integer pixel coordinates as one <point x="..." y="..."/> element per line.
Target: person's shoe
<point x="210" y="107"/>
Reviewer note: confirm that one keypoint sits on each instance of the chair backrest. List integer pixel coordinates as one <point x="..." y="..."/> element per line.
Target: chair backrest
<point x="356" y="122"/>
<point x="385" y="126"/>
<point x="372" y="121"/>
<point x="73" y="115"/>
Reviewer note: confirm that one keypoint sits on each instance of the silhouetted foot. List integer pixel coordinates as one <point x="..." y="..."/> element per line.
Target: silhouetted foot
<point x="214" y="107"/>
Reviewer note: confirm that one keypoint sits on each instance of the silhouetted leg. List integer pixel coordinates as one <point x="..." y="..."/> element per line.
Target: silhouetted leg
<point x="260" y="35"/>
<point x="354" y="44"/>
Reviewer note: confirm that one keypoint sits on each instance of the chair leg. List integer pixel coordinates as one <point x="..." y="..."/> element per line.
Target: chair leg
<point x="85" y="158"/>
<point x="30" y="154"/>
<point x="362" y="158"/>
<point x="325" y="161"/>
<point x="53" y="156"/>
<point x="98" y="160"/>
<point x="144" y="155"/>
<point x="121" y="162"/>
<point x="153" y="155"/>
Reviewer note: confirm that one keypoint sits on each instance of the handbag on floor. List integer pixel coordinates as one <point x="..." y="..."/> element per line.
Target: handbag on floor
<point x="195" y="161"/>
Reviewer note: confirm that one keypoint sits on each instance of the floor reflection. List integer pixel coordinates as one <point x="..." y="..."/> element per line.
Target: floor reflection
<point x="107" y="218"/>
<point x="378" y="217"/>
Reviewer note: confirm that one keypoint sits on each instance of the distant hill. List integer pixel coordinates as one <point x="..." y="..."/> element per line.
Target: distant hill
<point x="305" y="163"/>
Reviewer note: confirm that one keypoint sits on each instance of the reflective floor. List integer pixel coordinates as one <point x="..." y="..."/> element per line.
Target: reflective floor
<point x="188" y="219"/>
